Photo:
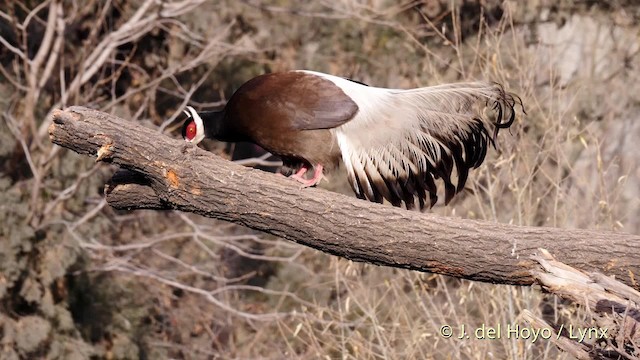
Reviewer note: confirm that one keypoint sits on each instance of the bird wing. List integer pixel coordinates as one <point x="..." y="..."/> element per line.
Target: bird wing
<point x="401" y="140"/>
<point x="317" y="104"/>
<point x="303" y="99"/>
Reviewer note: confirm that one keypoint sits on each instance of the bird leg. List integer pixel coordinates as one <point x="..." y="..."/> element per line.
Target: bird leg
<point x="317" y="176"/>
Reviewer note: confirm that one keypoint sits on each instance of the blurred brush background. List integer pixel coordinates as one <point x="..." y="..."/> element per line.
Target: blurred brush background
<point x="80" y="280"/>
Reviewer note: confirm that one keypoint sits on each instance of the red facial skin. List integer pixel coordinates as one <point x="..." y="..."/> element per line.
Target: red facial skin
<point x="191" y="130"/>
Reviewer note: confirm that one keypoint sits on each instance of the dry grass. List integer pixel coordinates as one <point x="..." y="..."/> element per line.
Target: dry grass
<point x="189" y="287"/>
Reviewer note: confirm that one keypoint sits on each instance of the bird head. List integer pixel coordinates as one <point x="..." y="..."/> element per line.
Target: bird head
<point x="193" y="128"/>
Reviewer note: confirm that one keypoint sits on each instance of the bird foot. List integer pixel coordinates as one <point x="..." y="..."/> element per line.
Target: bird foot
<point x="317" y="176"/>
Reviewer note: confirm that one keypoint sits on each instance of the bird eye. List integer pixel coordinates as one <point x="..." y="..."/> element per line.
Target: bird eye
<point x="191" y="130"/>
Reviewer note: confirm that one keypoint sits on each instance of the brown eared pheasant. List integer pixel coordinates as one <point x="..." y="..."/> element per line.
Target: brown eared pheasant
<point x="393" y="143"/>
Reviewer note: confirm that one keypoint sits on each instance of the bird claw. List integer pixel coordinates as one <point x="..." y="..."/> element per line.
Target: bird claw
<point x="315" y="180"/>
<point x="305" y="182"/>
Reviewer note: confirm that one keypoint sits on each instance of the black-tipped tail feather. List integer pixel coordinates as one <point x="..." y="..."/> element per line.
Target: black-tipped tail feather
<point x="450" y="128"/>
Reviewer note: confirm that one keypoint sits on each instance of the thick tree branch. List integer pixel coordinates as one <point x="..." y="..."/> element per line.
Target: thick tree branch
<point x="169" y="174"/>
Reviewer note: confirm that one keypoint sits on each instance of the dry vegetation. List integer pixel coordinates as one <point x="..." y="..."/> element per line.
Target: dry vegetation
<point x="79" y="279"/>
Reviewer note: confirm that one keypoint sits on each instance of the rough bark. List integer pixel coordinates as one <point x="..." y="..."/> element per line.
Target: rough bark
<point x="613" y="307"/>
<point x="171" y="174"/>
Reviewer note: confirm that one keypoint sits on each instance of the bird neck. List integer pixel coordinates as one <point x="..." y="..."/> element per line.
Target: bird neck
<point x="213" y="122"/>
<point x="220" y="126"/>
